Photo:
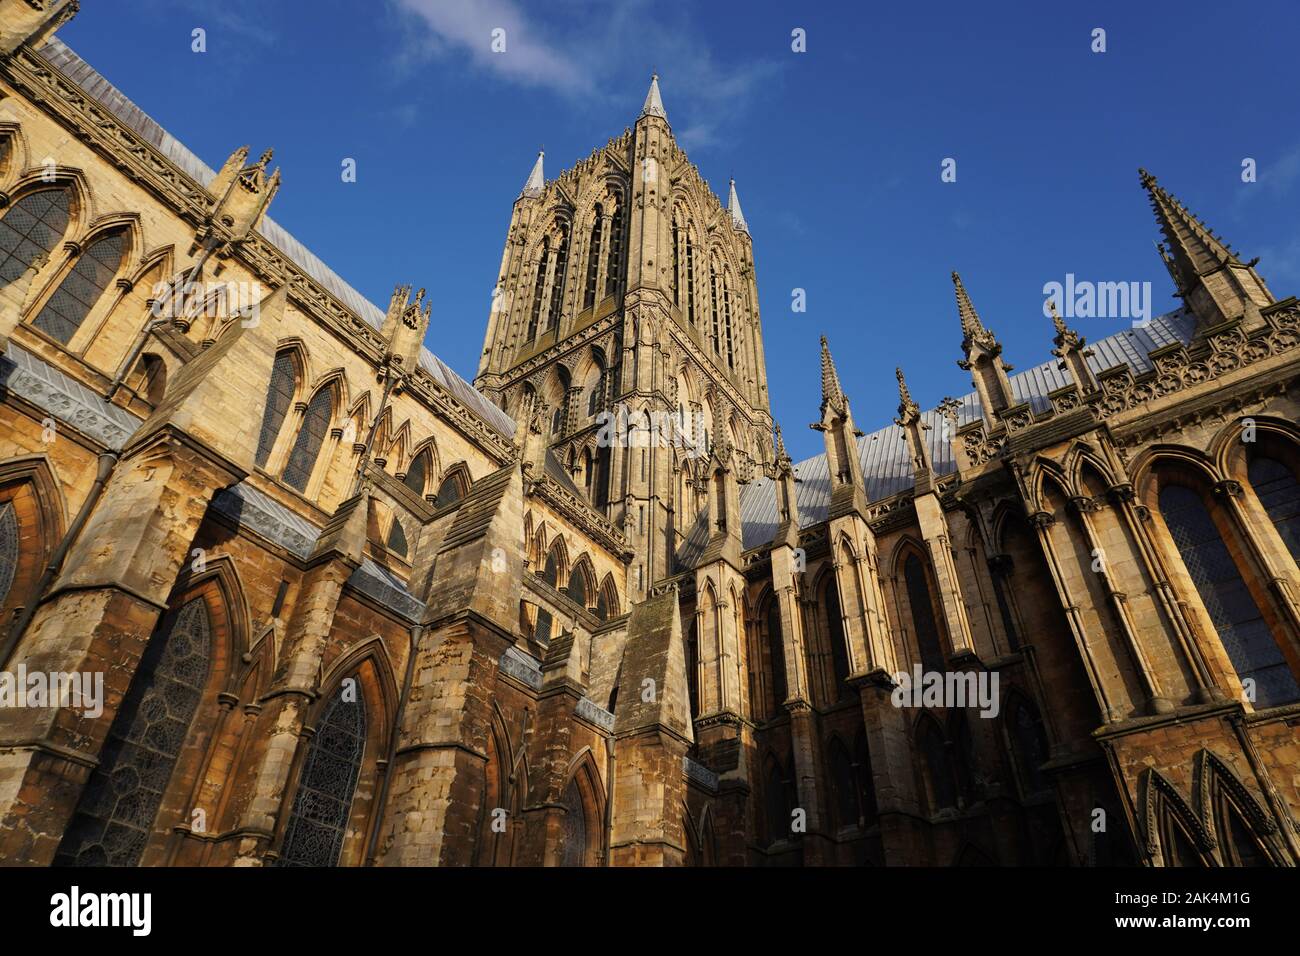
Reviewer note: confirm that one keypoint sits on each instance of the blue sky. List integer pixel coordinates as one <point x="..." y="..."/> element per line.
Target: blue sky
<point x="836" y="151"/>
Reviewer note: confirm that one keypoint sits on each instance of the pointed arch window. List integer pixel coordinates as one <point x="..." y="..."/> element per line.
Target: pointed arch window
<point x="934" y="750"/>
<point x="779" y="800"/>
<point x="284" y="383"/>
<point x="920" y="597"/>
<point x="1278" y="491"/>
<point x="848" y="811"/>
<point x="119" y="806"/>
<point x="835" y="634"/>
<point x="866" y="783"/>
<point x="557" y="282"/>
<point x="81" y="288"/>
<point x="1029" y="742"/>
<point x="311" y="436"/>
<point x="542" y="627"/>
<point x="677" y="261"/>
<point x="1228" y="601"/>
<point x="318" y="821"/>
<point x="539" y="288"/>
<point x="451" y="490"/>
<point x="692" y="645"/>
<point x="575" y="826"/>
<point x="715" y="336"/>
<point x="397" y="539"/>
<point x="613" y="268"/>
<point x="30" y="229"/>
<point x="726" y="320"/>
<point x="417" y="475"/>
<point x="690" y="279"/>
<point x="593" y="258"/>
<point x="8" y="548"/>
<point x="577" y="588"/>
<point x="776" y="656"/>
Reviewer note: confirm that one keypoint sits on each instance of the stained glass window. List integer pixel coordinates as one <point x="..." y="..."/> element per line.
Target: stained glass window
<point x="8" y="548"/>
<point x="450" y="491"/>
<point x="417" y="474"/>
<point x="577" y="588"/>
<point x="542" y="629"/>
<point x="81" y="288"/>
<point x="1279" y="493"/>
<point x="1241" y="626"/>
<point x="318" y="821"/>
<point x="835" y="634"/>
<point x="278" y="399"/>
<point x="31" y="227"/>
<point x="116" y="814"/>
<point x="306" y="448"/>
<point x="575" y="827"/>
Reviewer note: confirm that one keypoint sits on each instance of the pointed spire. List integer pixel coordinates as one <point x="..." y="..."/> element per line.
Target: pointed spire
<point x="972" y="328"/>
<point x="733" y="207"/>
<point x="906" y="407"/>
<point x="536" y="179"/>
<point x="832" y="394"/>
<point x="781" y="453"/>
<point x="1193" y="246"/>
<point x="654" y="105"/>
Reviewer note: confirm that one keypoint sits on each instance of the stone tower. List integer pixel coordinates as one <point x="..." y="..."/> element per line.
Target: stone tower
<point x="627" y="306"/>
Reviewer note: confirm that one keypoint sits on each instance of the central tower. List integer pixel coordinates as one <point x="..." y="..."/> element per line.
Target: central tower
<point x="626" y="310"/>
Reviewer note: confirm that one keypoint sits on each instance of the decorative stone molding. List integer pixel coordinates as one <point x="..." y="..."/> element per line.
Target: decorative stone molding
<point x="65" y="399"/>
<point x="521" y="667"/>
<point x="594" y="713"/>
<point x="699" y="773"/>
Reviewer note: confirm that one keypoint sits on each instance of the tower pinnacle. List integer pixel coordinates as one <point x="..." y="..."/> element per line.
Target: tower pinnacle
<point x="832" y="394"/>
<point x="536" y="179"/>
<point x="654" y="105"/>
<point x="733" y="207"/>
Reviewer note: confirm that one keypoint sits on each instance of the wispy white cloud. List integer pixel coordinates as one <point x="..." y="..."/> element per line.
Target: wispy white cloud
<point x="580" y="49"/>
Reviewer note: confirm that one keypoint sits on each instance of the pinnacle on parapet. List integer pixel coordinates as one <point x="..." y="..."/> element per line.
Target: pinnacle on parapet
<point x="906" y="406"/>
<point x="1057" y="321"/>
<point x="973" y="330"/>
<point x="733" y="207"/>
<point x="654" y="104"/>
<point x="536" y="179"/>
<point x="1192" y="246"/>
<point x="781" y="453"/>
<point x="831" y="392"/>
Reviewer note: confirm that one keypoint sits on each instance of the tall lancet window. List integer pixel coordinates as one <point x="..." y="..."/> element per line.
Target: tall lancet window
<point x="690" y="279"/>
<point x="539" y="288"/>
<point x="593" y="258"/>
<point x="118" y="808"/>
<point x="1279" y="492"/>
<point x="557" y="284"/>
<point x="82" y="287"/>
<point x="1227" y="599"/>
<point x="318" y="821"/>
<point x="8" y="548"/>
<point x="306" y="449"/>
<point x="613" y="270"/>
<point x="677" y="261"/>
<point x="31" y="227"/>
<point x="279" y="397"/>
<point x="715" y="334"/>
<point x="726" y="319"/>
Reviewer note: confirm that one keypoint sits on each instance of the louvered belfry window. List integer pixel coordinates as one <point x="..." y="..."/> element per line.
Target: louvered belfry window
<point x="306" y="449"/>
<point x="118" y="808"/>
<point x="278" y="399"/>
<point x="81" y="288"/>
<point x="318" y="821"/>
<point x="31" y="227"/>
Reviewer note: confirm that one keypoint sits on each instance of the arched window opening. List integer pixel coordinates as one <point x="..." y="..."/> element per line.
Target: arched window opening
<point x="866" y="784"/>
<point x="776" y="657"/>
<point x="934" y="749"/>
<point x="574" y="843"/>
<point x="577" y="588"/>
<point x="397" y="539"/>
<point x="451" y="490"/>
<point x="149" y="378"/>
<point x="557" y="420"/>
<point x="557" y="283"/>
<point x="1228" y="601"/>
<point x="835" y="634"/>
<point x="593" y="258"/>
<point x="318" y="821"/>
<point x="81" y="288"/>
<point x="1241" y="848"/>
<point x="963" y="759"/>
<point x="417" y="474"/>
<point x="677" y="261"/>
<point x="8" y="548"/>
<point x="690" y="280"/>
<point x="726" y="322"/>
<point x="542" y="629"/>
<point x="539" y="288"/>
<point x="613" y="270"/>
<point x="715" y="336"/>
<point x="30" y="229"/>
<point x="116" y="815"/>
<point x="279" y="396"/>
<point x="693" y="669"/>
<point x="551" y="570"/>
<point x="306" y="449"/>
<point x="921" y="600"/>
<point x="1029" y="742"/>
<point x="848" y="812"/>
<point x="1278" y="491"/>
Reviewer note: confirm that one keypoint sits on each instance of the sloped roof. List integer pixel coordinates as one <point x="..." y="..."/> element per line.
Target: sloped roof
<point x="62" y="57"/>
<point x="886" y="463"/>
